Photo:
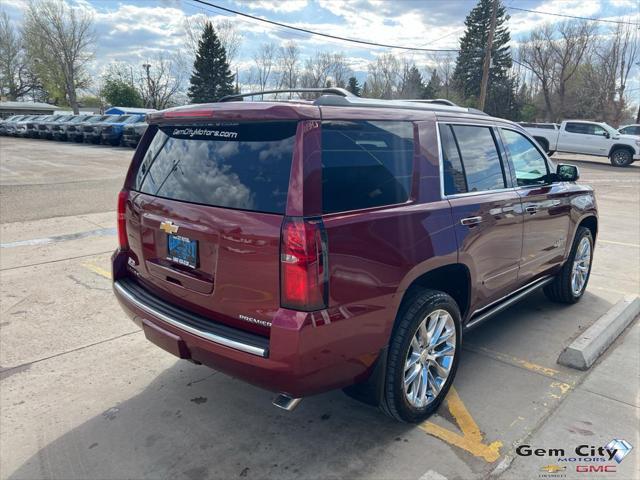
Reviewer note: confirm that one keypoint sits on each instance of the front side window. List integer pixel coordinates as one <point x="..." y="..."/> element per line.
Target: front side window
<point x="482" y="165"/>
<point x="530" y="165"/>
<point x="365" y="164"/>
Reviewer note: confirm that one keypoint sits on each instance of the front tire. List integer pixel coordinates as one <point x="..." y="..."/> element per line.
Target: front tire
<point x="423" y="356"/>
<point x="621" y="157"/>
<point x="570" y="284"/>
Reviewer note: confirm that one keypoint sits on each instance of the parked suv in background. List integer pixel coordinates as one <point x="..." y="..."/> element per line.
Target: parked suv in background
<point x="59" y="129"/>
<point x="132" y="133"/>
<point x="630" y="130"/>
<point x="342" y="242"/>
<point x="75" y="132"/>
<point x="112" y="132"/>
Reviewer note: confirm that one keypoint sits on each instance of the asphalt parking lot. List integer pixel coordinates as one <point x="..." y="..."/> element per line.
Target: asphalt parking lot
<point x="84" y="395"/>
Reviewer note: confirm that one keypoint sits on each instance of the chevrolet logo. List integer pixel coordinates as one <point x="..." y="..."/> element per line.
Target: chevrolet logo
<point x="553" y="468"/>
<point x="168" y="227"/>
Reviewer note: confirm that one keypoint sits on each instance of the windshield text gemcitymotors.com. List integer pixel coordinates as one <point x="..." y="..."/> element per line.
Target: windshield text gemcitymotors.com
<point x="203" y="132"/>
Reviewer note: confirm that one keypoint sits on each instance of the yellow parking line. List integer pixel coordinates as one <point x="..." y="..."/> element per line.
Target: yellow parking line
<point x="471" y="439"/>
<point x="519" y="362"/>
<point x="624" y="244"/>
<point x="96" y="269"/>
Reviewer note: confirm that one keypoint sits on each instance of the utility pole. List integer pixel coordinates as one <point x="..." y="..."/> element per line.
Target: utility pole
<point x="487" y="56"/>
<point x="147" y="66"/>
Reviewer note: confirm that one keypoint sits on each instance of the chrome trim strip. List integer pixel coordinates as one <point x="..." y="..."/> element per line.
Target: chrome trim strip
<point x="261" y="352"/>
<point x="524" y="291"/>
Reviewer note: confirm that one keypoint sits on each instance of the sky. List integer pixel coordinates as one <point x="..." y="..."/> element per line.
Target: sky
<point x="135" y="30"/>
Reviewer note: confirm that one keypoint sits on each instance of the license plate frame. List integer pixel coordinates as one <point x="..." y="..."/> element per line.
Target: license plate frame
<point x="182" y="250"/>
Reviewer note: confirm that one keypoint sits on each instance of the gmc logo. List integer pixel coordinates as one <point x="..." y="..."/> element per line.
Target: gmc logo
<point x="596" y="468"/>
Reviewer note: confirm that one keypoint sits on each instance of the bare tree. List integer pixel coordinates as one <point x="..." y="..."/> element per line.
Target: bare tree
<point x="264" y="60"/>
<point x="536" y="54"/>
<point x="16" y="77"/>
<point x="325" y="69"/>
<point x="161" y="82"/>
<point x="288" y="65"/>
<point x="59" y="39"/>
<point x="383" y="76"/>
<point x="575" y="40"/>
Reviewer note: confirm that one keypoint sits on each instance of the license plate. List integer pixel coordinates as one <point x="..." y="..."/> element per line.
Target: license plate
<point x="183" y="250"/>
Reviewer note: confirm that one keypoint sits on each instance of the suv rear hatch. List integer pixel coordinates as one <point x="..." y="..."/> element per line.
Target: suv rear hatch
<point x="205" y="205"/>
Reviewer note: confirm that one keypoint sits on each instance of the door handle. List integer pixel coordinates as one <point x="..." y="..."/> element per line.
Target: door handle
<point x="470" y="221"/>
<point x="532" y="209"/>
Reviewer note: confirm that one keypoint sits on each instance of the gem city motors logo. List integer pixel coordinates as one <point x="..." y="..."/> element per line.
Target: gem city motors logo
<point x="586" y="458"/>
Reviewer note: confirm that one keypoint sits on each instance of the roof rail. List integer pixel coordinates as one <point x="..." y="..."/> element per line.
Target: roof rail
<point x="354" y="101"/>
<point x="439" y="101"/>
<point x="329" y="90"/>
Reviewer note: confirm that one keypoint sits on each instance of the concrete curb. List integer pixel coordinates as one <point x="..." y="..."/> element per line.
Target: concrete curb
<point x="586" y="349"/>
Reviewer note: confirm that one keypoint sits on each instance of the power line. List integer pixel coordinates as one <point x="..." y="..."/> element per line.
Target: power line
<point x="311" y="32"/>
<point x="573" y="16"/>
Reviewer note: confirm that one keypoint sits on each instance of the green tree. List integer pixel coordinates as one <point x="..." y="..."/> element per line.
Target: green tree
<point x="412" y="84"/>
<point x="120" y="93"/>
<point x="434" y="86"/>
<point x="353" y="86"/>
<point x="211" y="77"/>
<point x="468" y="72"/>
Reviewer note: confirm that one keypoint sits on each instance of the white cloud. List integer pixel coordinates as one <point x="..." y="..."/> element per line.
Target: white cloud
<point x="275" y="5"/>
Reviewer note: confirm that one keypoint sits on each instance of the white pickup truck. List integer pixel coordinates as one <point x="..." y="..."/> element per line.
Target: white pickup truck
<point x="589" y="138"/>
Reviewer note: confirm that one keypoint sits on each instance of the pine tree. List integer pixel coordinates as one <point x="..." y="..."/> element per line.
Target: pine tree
<point x="211" y="77"/>
<point x="353" y="86"/>
<point x="413" y="86"/>
<point x="432" y="90"/>
<point x="468" y="72"/>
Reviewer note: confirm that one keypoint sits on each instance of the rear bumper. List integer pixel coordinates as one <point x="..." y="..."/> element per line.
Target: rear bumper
<point x="153" y="307"/>
<point x="301" y="357"/>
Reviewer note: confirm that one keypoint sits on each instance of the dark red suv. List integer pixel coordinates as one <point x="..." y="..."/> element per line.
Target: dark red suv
<point x="342" y="242"/>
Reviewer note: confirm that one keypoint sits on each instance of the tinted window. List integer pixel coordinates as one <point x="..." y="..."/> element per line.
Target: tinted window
<point x="454" y="177"/>
<point x="631" y="130"/>
<point x="233" y="165"/>
<point x="365" y="164"/>
<point x="585" y="129"/>
<point x="480" y="157"/>
<point x="530" y="165"/>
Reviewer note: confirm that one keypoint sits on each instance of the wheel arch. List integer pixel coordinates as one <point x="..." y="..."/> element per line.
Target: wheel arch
<point x="624" y="146"/>
<point x="453" y="279"/>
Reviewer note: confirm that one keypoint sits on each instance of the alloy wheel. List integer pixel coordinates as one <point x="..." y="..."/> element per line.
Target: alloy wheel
<point x="430" y="358"/>
<point x="581" y="265"/>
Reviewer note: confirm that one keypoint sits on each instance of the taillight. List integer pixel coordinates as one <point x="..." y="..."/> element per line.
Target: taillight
<point x="303" y="264"/>
<point x="123" y="241"/>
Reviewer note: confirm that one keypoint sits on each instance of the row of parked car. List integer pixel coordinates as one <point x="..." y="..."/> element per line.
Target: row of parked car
<point x="113" y="130"/>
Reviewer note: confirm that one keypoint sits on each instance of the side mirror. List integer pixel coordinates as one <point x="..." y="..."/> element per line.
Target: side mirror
<point x="567" y="173"/>
<point x="607" y="135"/>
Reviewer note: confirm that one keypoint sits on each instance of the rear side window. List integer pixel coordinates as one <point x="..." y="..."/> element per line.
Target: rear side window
<point x="366" y="164"/>
<point x="235" y="165"/>
<point x="482" y="165"/>
<point x="454" y="176"/>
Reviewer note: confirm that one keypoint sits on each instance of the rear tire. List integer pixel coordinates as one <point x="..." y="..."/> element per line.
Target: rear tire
<point x="571" y="282"/>
<point x="426" y="340"/>
<point x="621" y="157"/>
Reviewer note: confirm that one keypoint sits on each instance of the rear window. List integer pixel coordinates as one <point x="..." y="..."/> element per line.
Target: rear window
<point x="365" y="164"/>
<point x="235" y="165"/>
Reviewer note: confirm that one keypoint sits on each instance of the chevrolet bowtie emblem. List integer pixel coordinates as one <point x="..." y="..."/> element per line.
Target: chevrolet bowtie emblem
<point x="553" y="468"/>
<point x="168" y="227"/>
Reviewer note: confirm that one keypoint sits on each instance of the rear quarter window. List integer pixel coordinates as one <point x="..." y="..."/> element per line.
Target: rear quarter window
<point x="366" y="164"/>
<point x="234" y="165"/>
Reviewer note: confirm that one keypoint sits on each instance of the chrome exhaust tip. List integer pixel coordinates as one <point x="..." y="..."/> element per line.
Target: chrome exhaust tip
<point x="285" y="402"/>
